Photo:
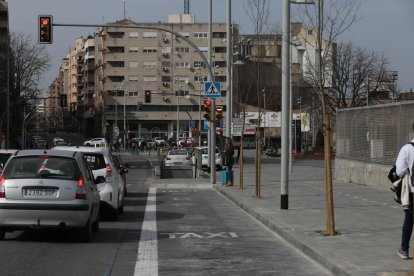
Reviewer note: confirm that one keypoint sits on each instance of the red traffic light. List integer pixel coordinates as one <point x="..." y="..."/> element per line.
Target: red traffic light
<point x="45" y="21"/>
<point x="45" y="29"/>
<point x="207" y="102"/>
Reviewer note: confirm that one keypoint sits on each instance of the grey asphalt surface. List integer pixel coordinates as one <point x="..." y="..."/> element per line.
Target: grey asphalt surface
<point x="368" y="220"/>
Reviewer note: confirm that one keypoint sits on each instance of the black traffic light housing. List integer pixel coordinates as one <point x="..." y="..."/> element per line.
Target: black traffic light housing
<point x="219" y="113"/>
<point x="207" y="109"/>
<point x="147" y="96"/>
<point x="45" y="29"/>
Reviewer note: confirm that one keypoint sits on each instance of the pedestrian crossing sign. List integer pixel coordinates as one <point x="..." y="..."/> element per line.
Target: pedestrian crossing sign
<point x="212" y="89"/>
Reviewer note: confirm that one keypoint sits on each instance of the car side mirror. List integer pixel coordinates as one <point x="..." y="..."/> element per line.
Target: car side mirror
<point x="99" y="179"/>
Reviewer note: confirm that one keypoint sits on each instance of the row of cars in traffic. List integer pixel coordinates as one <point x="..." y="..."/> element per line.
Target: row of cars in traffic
<point x="63" y="187"/>
<point x="188" y="157"/>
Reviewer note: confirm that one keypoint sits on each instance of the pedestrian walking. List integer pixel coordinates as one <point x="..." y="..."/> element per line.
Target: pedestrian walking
<point x="228" y="159"/>
<point x="404" y="167"/>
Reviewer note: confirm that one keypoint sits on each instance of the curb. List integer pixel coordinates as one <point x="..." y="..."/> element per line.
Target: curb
<point x="308" y="251"/>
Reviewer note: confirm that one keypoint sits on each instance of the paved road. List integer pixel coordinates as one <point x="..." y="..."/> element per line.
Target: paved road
<point x="164" y="231"/>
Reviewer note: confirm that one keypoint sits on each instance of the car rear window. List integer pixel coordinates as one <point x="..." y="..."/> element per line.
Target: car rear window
<point x="42" y="166"/>
<point x="95" y="160"/>
<point x="178" y="152"/>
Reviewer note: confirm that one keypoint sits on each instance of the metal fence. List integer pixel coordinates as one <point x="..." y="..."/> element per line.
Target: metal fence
<point x="374" y="133"/>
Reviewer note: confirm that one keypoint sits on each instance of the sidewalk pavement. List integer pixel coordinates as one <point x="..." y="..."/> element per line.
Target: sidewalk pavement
<point x="368" y="219"/>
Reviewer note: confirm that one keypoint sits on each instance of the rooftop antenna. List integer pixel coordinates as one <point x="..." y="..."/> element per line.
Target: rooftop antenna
<point x="186" y="6"/>
<point x="124" y="10"/>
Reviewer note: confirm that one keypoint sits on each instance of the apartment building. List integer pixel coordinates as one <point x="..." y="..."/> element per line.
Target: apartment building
<point x="132" y="61"/>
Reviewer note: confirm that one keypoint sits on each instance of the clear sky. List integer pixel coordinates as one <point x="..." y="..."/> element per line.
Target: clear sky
<point x="387" y="26"/>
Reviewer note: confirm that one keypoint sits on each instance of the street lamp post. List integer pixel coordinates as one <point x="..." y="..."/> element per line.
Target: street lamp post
<point x="125" y="93"/>
<point x="177" y="80"/>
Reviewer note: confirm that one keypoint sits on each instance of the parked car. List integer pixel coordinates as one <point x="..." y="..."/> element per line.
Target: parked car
<point x="57" y="139"/>
<point x="159" y="141"/>
<point x="94" y="142"/>
<point x="40" y="144"/>
<point x="204" y="157"/>
<point x="112" y="191"/>
<point x="151" y="143"/>
<point x="186" y="142"/>
<point x="178" y="157"/>
<point x="4" y="157"/>
<point x="122" y="169"/>
<point x="49" y="189"/>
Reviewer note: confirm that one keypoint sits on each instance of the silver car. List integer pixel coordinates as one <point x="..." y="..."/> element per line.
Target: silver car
<point x="49" y="189"/>
<point x="112" y="191"/>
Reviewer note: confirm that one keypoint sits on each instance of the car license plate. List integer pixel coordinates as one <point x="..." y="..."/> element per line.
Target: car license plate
<point x="178" y="163"/>
<point x="30" y="192"/>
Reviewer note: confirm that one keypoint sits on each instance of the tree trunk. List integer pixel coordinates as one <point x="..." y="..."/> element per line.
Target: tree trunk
<point x="330" y="221"/>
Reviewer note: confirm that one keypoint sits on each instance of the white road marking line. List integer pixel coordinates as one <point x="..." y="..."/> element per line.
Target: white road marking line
<point x="147" y="259"/>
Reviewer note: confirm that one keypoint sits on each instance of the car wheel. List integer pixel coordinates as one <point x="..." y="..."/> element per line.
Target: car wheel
<point x="88" y="145"/>
<point x="95" y="225"/>
<point x="2" y="235"/>
<point x="85" y="233"/>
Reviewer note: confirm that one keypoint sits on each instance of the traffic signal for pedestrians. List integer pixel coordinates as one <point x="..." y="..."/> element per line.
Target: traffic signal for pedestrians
<point x="45" y="29"/>
<point x="147" y="96"/>
<point x="63" y="100"/>
<point x="219" y="113"/>
<point x="139" y="106"/>
<point x="207" y="109"/>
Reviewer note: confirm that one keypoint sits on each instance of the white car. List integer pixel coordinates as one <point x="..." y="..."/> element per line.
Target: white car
<point x="178" y="157"/>
<point x="112" y="191"/>
<point x="204" y="157"/>
<point x="94" y="142"/>
<point x="57" y="140"/>
<point x="159" y="141"/>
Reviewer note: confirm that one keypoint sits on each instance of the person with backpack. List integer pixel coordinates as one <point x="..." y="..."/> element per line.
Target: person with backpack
<point x="404" y="169"/>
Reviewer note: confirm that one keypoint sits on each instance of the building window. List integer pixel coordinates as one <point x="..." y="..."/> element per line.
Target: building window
<point x="165" y="64"/>
<point x="133" y="64"/>
<point x="201" y="35"/>
<point x="113" y="49"/>
<point x="166" y="50"/>
<point x="132" y="93"/>
<point x="150" y="78"/>
<point x="198" y="78"/>
<point x="149" y="34"/>
<point x="185" y="34"/>
<point x="149" y="64"/>
<point x="199" y="64"/>
<point x="133" y="78"/>
<point x="133" y="34"/>
<point x="182" y="49"/>
<point x="133" y="49"/>
<point x="149" y="50"/>
<point x="182" y="64"/>
<point x="166" y="78"/>
<point x="116" y="63"/>
<point x="202" y="49"/>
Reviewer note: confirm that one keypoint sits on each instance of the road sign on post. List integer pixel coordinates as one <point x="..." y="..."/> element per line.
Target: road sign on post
<point x="212" y="89"/>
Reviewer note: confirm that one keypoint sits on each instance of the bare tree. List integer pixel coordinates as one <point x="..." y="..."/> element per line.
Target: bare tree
<point x="29" y="61"/>
<point x="357" y="71"/>
<point x="329" y="19"/>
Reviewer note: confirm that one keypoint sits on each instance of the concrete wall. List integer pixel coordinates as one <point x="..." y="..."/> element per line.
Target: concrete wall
<point x="363" y="173"/>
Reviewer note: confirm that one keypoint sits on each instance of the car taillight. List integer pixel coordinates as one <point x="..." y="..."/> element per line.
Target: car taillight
<point x="81" y="182"/>
<point x="108" y="168"/>
<point x="2" y="190"/>
<point x="80" y="191"/>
